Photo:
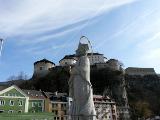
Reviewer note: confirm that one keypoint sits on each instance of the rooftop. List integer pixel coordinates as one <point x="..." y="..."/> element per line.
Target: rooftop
<point x="34" y="94"/>
<point x="74" y="56"/>
<point x="44" y="61"/>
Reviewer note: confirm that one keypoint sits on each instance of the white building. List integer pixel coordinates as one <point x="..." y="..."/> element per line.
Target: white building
<point x="96" y="58"/>
<point x="93" y="57"/>
<point x="42" y="67"/>
<point x="68" y="60"/>
<point x="105" y="108"/>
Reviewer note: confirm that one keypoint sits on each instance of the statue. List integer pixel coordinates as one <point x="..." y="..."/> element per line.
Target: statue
<point x="80" y="88"/>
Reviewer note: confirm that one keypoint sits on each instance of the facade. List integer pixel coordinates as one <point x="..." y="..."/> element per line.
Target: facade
<point x="140" y="71"/>
<point x="96" y="58"/>
<point x="42" y="67"/>
<point x="68" y="60"/>
<point x="60" y="106"/>
<point x="93" y="57"/>
<point x="36" y="101"/>
<point x="13" y="100"/>
<point x="112" y="64"/>
<point x="105" y="108"/>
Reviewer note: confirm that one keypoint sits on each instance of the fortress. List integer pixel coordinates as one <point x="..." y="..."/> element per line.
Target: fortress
<point x="97" y="60"/>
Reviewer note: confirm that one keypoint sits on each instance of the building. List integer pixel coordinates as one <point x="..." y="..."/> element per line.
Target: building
<point x="93" y="57"/>
<point x="112" y="64"/>
<point x="60" y="106"/>
<point x="13" y="100"/>
<point x="68" y="60"/>
<point x="105" y="108"/>
<point x="96" y="58"/>
<point x="42" y="67"/>
<point x="36" y="102"/>
<point x="140" y="71"/>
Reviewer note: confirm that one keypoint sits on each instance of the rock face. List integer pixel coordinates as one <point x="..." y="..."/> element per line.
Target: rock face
<point x="80" y="89"/>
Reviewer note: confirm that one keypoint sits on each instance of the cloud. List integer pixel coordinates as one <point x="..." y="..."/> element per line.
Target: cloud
<point x="137" y="25"/>
<point x="29" y="17"/>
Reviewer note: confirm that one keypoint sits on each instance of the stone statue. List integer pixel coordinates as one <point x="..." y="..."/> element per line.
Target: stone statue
<point x="80" y="88"/>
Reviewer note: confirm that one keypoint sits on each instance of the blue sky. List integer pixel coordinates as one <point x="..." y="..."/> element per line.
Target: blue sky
<point x="128" y="30"/>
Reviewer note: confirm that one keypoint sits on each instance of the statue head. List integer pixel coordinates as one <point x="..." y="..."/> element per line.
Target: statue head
<point x="82" y="49"/>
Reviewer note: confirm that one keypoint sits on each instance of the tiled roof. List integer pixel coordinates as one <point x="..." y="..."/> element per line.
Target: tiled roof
<point x="74" y="56"/>
<point x="48" y="94"/>
<point x="44" y="60"/>
<point x="34" y="94"/>
<point x="69" y="57"/>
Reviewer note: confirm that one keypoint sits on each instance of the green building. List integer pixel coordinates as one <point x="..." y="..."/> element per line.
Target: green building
<point x="36" y="101"/>
<point x="15" y="100"/>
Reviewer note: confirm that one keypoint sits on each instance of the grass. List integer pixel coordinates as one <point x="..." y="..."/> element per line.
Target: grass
<point x="28" y="116"/>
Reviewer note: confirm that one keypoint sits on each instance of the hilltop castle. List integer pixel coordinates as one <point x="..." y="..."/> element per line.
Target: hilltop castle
<point x="97" y="60"/>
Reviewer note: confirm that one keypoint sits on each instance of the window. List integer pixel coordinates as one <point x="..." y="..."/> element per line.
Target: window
<point x="65" y="112"/>
<point x="40" y="104"/>
<point x="13" y="94"/>
<point x="41" y="68"/>
<point x="11" y="103"/>
<point x="10" y="111"/>
<point x="34" y="104"/>
<point x="1" y="111"/>
<point x="56" y="112"/>
<point x="63" y="105"/>
<point x="20" y="102"/>
<point x="19" y="111"/>
<point x="2" y="102"/>
<point x="54" y="105"/>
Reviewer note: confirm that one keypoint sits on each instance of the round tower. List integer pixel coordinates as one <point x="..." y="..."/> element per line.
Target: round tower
<point x="114" y="64"/>
<point x="42" y="67"/>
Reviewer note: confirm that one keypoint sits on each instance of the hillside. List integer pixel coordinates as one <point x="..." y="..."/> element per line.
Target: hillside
<point x="143" y="92"/>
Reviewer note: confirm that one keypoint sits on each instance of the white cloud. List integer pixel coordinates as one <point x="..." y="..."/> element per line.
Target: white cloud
<point x="34" y="16"/>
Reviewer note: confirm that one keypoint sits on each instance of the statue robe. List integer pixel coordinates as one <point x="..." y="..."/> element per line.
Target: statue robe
<point x="82" y="107"/>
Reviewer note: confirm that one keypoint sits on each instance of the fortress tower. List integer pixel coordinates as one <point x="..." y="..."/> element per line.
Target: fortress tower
<point x="42" y="67"/>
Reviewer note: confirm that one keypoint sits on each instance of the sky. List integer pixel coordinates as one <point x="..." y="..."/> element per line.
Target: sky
<point x="127" y="30"/>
